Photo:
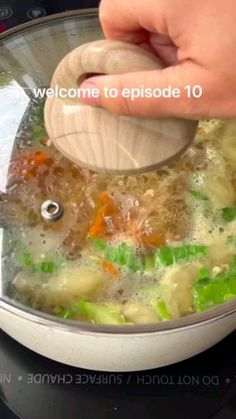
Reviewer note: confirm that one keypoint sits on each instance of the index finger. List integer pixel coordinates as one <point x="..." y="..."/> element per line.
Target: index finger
<point x="121" y="20"/>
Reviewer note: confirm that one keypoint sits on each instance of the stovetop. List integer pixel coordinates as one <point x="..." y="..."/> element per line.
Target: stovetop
<point x="33" y="387"/>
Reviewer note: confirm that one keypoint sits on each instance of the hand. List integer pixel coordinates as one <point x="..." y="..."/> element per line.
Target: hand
<point x="197" y="41"/>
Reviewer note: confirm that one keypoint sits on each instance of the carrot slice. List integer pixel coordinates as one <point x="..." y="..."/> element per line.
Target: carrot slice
<point x="107" y="201"/>
<point x="99" y="223"/>
<point x="108" y="208"/>
<point x="153" y="240"/>
<point x="37" y="159"/>
<point x="108" y="266"/>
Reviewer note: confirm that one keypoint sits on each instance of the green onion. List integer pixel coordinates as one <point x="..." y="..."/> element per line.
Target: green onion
<point x="46" y="267"/>
<point x="203" y="273"/>
<point x="149" y="263"/>
<point x="209" y="291"/>
<point x="167" y="256"/>
<point x="65" y="313"/>
<point x="229" y="214"/>
<point x="125" y="255"/>
<point x="161" y="309"/>
<point x="100" y="244"/>
<point x="99" y="313"/>
<point x="198" y="195"/>
<point x="38" y="132"/>
<point x="26" y="259"/>
<point x="231" y="240"/>
<point x="122" y="255"/>
<point x="38" y="127"/>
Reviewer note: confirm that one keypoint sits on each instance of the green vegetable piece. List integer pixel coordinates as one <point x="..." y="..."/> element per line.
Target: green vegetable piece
<point x="232" y="267"/>
<point x="122" y="254"/>
<point x="228" y="297"/>
<point x="46" y="267"/>
<point x="149" y="263"/>
<point x="198" y="195"/>
<point x="161" y="309"/>
<point x="229" y="214"/>
<point x="65" y="313"/>
<point x="26" y="259"/>
<point x="209" y="291"/>
<point x="167" y="256"/>
<point x="231" y="240"/>
<point x="164" y="256"/>
<point x="99" y="243"/>
<point x="40" y="111"/>
<point x="38" y="127"/>
<point x="38" y="132"/>
<point x="203" y="273"/>
<point x="99" y="313"/>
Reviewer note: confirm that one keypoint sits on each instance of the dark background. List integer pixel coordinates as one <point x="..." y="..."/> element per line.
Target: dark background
<point x="15" y="12"/>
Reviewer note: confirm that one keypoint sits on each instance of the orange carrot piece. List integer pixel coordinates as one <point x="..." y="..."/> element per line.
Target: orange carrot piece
<point x="110" y="268"/>
<point x="108" y="201"/>
<point x="98" y="226"/>
<point x="108" y="208"/>
<point x="104" y="198"/>
<point x="153" y="240"/>
<point x="38" y="158"/>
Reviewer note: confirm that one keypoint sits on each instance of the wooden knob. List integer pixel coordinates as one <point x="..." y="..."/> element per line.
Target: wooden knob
<point x="98" y="139"/>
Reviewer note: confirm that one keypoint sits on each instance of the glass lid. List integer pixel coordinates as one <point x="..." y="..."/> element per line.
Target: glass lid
<point x="32" y="177"/>
<point x="121" y="250"/>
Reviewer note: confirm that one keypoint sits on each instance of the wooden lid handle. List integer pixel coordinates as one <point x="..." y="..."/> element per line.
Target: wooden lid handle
<point x="98" y="139"/>
<point x="102" y="57"/>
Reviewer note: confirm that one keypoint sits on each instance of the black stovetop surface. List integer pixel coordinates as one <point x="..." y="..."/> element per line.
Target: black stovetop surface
<point x="33" y="387"/>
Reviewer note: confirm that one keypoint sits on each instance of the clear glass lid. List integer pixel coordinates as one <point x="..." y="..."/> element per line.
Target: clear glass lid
<point x="99" y="248"/>
<point x="32" y="186"/>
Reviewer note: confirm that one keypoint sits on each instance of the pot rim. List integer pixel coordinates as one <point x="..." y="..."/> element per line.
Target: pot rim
<point x="46" y="19"/>
<point x="75" y="326"/>
<point x="27" y="313"/>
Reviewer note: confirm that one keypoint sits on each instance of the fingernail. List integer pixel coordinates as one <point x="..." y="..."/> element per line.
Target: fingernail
<point x="93" y="87"/>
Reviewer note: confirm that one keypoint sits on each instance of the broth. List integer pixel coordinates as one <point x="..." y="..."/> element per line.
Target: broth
<point x="127" y="249"/>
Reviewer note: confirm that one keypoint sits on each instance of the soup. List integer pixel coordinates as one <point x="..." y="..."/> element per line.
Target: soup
<point x="123" y="249"/>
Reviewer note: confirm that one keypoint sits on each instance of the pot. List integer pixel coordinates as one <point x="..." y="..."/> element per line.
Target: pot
<point x="29" y="56"/>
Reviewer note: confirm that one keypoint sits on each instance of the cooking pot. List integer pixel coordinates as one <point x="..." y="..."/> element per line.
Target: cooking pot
<point x="29" y="56"/>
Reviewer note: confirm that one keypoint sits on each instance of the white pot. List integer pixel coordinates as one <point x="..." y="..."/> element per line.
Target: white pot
<point x="117" y="348"/>
<point x="31" y="56"/>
